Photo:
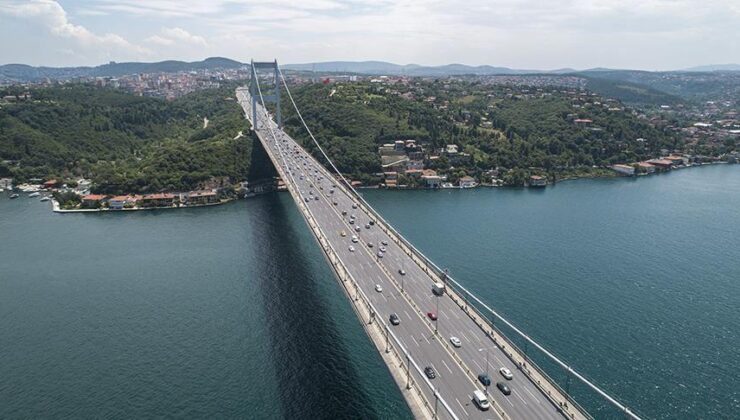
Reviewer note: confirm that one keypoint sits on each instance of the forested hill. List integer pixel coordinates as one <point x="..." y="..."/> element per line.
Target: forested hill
<point x="127" y="143"/>
<point x="519" y="130"/>
<point x="123" y="142"/>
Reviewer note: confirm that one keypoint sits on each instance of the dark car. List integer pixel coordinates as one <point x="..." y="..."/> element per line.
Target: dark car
<point x="395" y="320"/>
<point x="429" y="371"/>
<point x="432" y="316"/>
<point x="484" y="379"/>
<point x="503" y="388"/>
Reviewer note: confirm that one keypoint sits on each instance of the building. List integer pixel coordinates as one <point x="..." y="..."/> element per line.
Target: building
<point x="120" y="202"/>
<point x="646" y="167"/>
<point x="412" y="165"/>
<point x="431" y="179"/>
<point x="468" y="182"/>
<point x="537" y="181"/>
<point x="661" y="163"/>
<point x="52" y="183"/>
<point x="626" y="170"/>
<point x="451" y="149"/>
<point x="6" y="183"/>
<point x="202" y="197"/>
<point x="158" y="200"/>
<point x="92" y="201"/>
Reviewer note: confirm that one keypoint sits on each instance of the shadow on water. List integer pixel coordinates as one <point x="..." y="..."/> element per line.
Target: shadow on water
<point x="261" y="167"/>
<point x="311" y="362"/>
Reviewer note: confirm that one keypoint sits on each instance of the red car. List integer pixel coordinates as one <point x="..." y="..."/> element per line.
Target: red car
<point x="432" y="316"/>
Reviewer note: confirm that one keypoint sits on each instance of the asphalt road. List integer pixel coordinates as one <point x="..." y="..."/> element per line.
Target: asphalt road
<point x="456" y="368"/>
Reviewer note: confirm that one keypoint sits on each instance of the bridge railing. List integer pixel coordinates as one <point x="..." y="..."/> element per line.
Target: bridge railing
<point x="398" y="349"/>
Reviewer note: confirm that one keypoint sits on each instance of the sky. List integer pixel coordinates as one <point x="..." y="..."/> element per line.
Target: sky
<point x="522" y="34"/>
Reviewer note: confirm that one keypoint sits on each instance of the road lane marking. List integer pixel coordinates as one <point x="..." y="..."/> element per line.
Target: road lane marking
<point x="465" y="337"/>
<point x="407" y="315"/>
<point x="463" y="408"/>
<point x="519" y="396"/>
<point x="533" y="397"/>
<point x="448" y="368"/>
<point x="479" y="367"/>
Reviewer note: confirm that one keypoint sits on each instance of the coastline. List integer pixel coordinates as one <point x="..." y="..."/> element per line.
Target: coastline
<point x="56" y="209"/>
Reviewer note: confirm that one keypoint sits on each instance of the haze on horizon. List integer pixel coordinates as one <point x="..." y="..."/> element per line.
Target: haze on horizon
<point x="523" y="34"/>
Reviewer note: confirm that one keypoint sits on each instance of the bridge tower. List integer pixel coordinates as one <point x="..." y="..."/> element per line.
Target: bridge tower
<point x="254" y="91"/>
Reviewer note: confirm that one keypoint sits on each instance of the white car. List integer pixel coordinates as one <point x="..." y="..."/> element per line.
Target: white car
<point x="382" y="249"/>
<point x="354" y="206"/>
<point x="384" y="242"/>
<point x="357" y="229"/>
<point x="354" y="239"/>
<point x="351" y="248"/>
<point x="506" y="373"/>
<point x="401" y="271"/>
<point x="455" y="341"/>
<point x="380" y="255"/>
<point x="378" y="288"/>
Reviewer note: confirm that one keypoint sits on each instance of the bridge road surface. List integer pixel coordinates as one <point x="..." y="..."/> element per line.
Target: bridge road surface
<point x="416" y="331"/>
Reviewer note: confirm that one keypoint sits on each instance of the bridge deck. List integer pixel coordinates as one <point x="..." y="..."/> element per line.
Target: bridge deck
<point x="409" y="296"/>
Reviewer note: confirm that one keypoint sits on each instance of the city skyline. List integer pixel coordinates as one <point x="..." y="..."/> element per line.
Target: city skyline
<point x="521" y="34"/>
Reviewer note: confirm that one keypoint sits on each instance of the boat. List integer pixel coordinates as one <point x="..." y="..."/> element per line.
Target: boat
<point x="44" y="198"/>
<point x="34" y="194"/>
<point x="14" y="195"/>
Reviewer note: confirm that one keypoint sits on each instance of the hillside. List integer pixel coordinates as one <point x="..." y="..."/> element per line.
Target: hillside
<point x="123" y="142"/>
<point x="520" y="134"/>
<point x="25" y="73"/>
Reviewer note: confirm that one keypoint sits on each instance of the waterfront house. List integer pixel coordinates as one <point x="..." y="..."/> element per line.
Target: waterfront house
<point x="661" y="163"/>
<point x="202" y="197"/>
<point x="119" y="202"/>
<point x="646" y="167"/>
<point x="627" y="170"/>
<point x="92" y="201"/>
<point x="158" y="200"/>
<point x="468" y="182"/>
<point x="52" y="183"/>
<point x="537" y="181"/>
<point x="431" y="179"/>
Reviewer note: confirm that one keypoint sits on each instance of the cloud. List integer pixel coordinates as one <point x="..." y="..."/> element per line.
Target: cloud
<point x="51" y="16"/>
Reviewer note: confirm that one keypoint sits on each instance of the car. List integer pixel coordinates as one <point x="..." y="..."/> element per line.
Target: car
<point x="455" y="341"/>
<point x="395" y="320"/>
<point x="401" y="271"/>
<point x="503" y="388"/>
<point x="335" y="203"/>
<point x="331" y="191"/>
<point x="344" y="212"/>
<point x="481" y="400"/>
<point x="484" y="379"/>
<point x="316" y="198"/>
<point x="429" y="371"/>
<point x="310" y="192"/>
<point x="384" y="242"/>
<point x="380" y="254"/>
<point x="372" y="222"/>
<point x="367" y="226"/>
<point x="382" y="249"/>
<point x="306" y="199"/>
<point x="369" y="244"/>
<point x="506" y="373"/>
<point x="343" y="233"/>
<point x="351" y="221"/>
<point x="351" y="248"/>
<point x="354" y="239"/>
<point x="432" y="316"/>
<point x="354" y="206"/>
<point x="378" y="288"/>
<point x="357" y="229"/>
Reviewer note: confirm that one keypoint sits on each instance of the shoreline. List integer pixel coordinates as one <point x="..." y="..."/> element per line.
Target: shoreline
<point x="56" y="209"/>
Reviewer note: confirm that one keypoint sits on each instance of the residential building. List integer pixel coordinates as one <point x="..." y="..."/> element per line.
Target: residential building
<point x="92" y="201"/>
<point x="537" y="181"/>
<point x="119" y="202"/>
<point x="646" y="167"/>
<point x="624" y="169"/>
<point x="158" y="200"/>
<point x="431" y="179"/>
<point x="468" y="182"/>
<point x="202" y="197"/>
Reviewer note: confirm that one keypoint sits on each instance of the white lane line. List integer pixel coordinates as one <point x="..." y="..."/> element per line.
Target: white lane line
<point x="508" y="400"/>
<point x="425" y="337"/>
<point x="480" y="369"/>
<point x="519" y="396"/>
<point x="465" y="337"/>
<point x="463" y="408"/>
<point x="416" y="341"/>
<point x="498" y="360"/>
<point x="448" y="368"/>
<point x="533" y="397"/>
<point x="474" y="335"/>
<point x="407" y="315"/>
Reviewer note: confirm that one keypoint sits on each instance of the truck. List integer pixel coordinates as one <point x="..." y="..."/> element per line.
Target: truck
<point x="438" y="289"/>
